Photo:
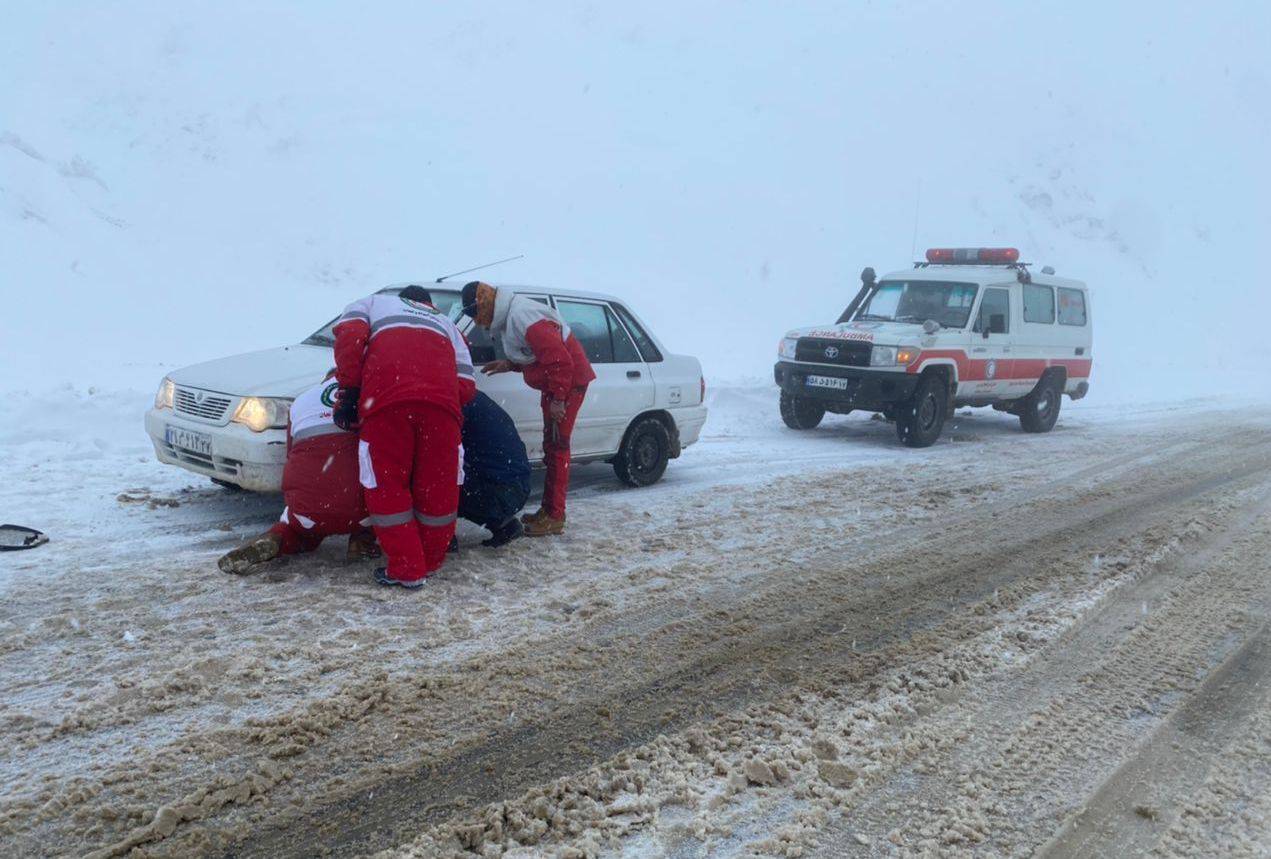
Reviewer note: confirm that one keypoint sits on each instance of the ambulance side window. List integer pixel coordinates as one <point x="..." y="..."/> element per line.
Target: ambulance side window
<point x="1072" y="306"/>
<point x="1039" y="304"/>
<point x="995" y="302"/>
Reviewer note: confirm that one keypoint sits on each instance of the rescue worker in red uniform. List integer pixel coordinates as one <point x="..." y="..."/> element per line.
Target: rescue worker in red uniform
<point x="405" y="374"/>
<point x="319" y="485"/>
<point x="540" y="347"/>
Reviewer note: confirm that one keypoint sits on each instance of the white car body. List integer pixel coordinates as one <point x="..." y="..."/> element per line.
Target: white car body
<point x="199" y="431"/>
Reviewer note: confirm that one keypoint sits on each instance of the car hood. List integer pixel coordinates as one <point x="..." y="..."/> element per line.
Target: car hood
<point x="886" y="333"/>
<point x="282" y="372"/>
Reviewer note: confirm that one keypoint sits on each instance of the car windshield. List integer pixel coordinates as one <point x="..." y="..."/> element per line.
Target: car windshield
<point x="445" y="300"/>
<point x="919" y="300"/>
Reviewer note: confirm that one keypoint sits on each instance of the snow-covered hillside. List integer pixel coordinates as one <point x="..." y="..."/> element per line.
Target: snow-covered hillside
<point x="178" y="182"/>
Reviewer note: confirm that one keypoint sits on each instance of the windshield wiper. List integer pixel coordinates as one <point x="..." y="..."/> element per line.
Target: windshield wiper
<point x="873" y="316"/>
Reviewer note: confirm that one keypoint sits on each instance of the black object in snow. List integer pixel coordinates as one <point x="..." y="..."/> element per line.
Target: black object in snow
<point x="15" y="537"/>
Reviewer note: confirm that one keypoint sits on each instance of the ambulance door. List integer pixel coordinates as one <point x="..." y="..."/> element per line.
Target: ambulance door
<point x="1035" y="344"/>
<point x="991" y="351"/>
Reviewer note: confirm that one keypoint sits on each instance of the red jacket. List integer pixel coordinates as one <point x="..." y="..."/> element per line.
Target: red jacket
<point x="559" y="365"/>
<point x="400" y="351"/>
<point x="320" y="480"/>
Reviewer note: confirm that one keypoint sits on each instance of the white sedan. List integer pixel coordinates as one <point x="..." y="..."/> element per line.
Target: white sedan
<point x="226" y="419"/>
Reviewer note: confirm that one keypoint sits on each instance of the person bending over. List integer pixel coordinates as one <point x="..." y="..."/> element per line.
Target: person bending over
<point x="496" y="471"/>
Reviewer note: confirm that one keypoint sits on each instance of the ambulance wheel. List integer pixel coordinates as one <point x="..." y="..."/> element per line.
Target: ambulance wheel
<point x="920" y="420"/>
<point x="645" y="451"/>
<point x="800" y="413"/>
<point x="1040" y="409"/>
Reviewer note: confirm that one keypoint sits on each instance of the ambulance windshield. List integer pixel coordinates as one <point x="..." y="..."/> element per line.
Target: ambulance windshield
<point x="917" y="301"/>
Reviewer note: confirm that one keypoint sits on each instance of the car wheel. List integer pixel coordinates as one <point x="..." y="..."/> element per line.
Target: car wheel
<point x="645" y="451"/>
<point x="920" y="420"/>
<point x="1040" y="409"/>
<point x="801" y="413"/>
<point x="225" y="484"/>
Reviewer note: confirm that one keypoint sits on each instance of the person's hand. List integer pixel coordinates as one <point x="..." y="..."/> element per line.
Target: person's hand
<point x="557" y="410"/>
<point x="495" y="367"/>
<point x="344" y="414"/>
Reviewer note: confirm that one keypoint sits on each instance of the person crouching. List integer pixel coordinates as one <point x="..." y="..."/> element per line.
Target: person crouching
<point x="496" y="471"/>
<point x="320" y="488"/>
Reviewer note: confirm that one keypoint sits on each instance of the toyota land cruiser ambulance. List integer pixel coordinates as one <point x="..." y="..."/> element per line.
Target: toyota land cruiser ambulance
<point x="967" y="327"/>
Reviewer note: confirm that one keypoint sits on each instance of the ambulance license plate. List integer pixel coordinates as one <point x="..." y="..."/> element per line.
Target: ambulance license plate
<point x="827" y="382"/>
<point x="188" y="439"/>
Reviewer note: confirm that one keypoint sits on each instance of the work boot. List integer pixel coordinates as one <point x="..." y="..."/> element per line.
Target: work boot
<point x="453" y="548"/>
<point x="264" y="548"/>
<point x="545" y="526"/>
<point x="362" y="547"/>
<point x="533" y="517"/>
<point x="501" y="535"/>
<point x="382" y="576"/>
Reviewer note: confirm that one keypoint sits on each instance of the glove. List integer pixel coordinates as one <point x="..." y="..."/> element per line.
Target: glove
<point x="344" y="415"/>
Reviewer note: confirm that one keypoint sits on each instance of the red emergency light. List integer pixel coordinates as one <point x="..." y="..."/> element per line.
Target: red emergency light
<point x="972" y="256"/>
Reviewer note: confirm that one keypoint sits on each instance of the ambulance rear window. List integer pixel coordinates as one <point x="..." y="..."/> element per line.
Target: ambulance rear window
<point x="1072" y="306"/>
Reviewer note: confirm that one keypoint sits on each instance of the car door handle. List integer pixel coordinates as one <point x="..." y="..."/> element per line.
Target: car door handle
<point x="633" y="374"/>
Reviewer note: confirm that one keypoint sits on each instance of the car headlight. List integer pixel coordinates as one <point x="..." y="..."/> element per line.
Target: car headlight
<point x="163" y="397"/>
<point x="891" y="356"/>
<point x="786" y="348"/>
<point x="261" y="413"/>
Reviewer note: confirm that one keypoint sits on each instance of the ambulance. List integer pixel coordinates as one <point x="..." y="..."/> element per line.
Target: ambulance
<point x="965" y="327"/>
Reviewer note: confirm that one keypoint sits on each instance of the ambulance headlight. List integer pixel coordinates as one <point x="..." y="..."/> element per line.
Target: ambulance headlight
<point x="892" y="356"/>
<point x="786" y="348"/>
<point x="261" y="413"/>
<point x="163" y="397"/>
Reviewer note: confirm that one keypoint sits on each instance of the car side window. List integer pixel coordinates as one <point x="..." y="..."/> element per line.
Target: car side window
<point x="1072" y="306"/>
<point x="483" y="347"/>
<point x="624" y="351"/>
<point x="1039" y="304"/>
<point x="995" y="302"/>
<point x="648" y="349"/>
<point x="590" y="324"/>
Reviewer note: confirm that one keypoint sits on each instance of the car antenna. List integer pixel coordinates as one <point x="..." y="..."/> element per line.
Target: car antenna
<point x="478" y="268"/>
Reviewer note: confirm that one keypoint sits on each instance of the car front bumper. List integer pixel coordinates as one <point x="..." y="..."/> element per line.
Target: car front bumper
<point x="252" y="460"/>
<point x="867" y="389"/>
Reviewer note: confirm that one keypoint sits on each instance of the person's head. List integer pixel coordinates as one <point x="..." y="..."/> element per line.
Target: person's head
<point x="414" y="292"/>
<point x="478" y="302"/>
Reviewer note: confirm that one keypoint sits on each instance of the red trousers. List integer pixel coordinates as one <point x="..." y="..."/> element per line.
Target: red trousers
<point x="295" y="539"/>
<point x="556" y="435"/>
<point x="409" y="469"/>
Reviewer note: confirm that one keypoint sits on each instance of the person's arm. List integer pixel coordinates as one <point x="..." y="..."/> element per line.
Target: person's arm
<point x="463" y="366"/>
<point x="352" y="332"/>
<point x="550" y="353"/>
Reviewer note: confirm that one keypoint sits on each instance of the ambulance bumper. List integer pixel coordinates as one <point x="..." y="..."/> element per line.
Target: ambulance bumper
<point x="867" y="390"/>
<point x="231" y="454"/>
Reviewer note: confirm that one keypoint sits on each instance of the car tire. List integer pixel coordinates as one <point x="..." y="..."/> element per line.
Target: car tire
<point x="642" y="458"/>
<point x="920" y="420"/>
<point x="801" y="413"/>
<point x="225" y="484"/>
<point x="1040" y="409"/>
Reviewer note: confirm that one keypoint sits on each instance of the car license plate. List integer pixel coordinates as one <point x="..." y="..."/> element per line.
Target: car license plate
<point x="188" y="439"/>
<point x="827" y="382"/>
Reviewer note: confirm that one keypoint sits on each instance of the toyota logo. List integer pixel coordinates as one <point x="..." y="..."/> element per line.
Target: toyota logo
<point x="831" y="352"/>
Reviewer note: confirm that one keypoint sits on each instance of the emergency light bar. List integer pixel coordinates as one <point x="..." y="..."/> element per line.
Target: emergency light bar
<point x="972" y="256"/>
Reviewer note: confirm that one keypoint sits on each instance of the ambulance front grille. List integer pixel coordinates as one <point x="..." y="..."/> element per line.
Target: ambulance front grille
<point x="200" y="404"/>
<point x="822" y="350"/>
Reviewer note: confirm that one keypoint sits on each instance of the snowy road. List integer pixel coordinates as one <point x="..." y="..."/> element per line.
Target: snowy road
<point x="798" y="644"/>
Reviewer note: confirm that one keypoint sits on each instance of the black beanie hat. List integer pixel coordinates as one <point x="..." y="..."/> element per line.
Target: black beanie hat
<point x="468" y="298"/>
<point x="414" y="292"/>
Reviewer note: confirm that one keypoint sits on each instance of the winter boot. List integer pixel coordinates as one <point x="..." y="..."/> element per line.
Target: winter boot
<point x="533" y="517"/>
<point x="362" y="546"/>
<point x="264" y="548"/>
<point x="501" y="535"/>
<point x="453" y="548"/>
<point x="545" y="526"/>
<point x="382" y="576"/>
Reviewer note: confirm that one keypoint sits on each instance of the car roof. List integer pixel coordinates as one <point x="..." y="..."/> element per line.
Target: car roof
<point x="978" y="274"/>
<point x="515" y="287"/>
